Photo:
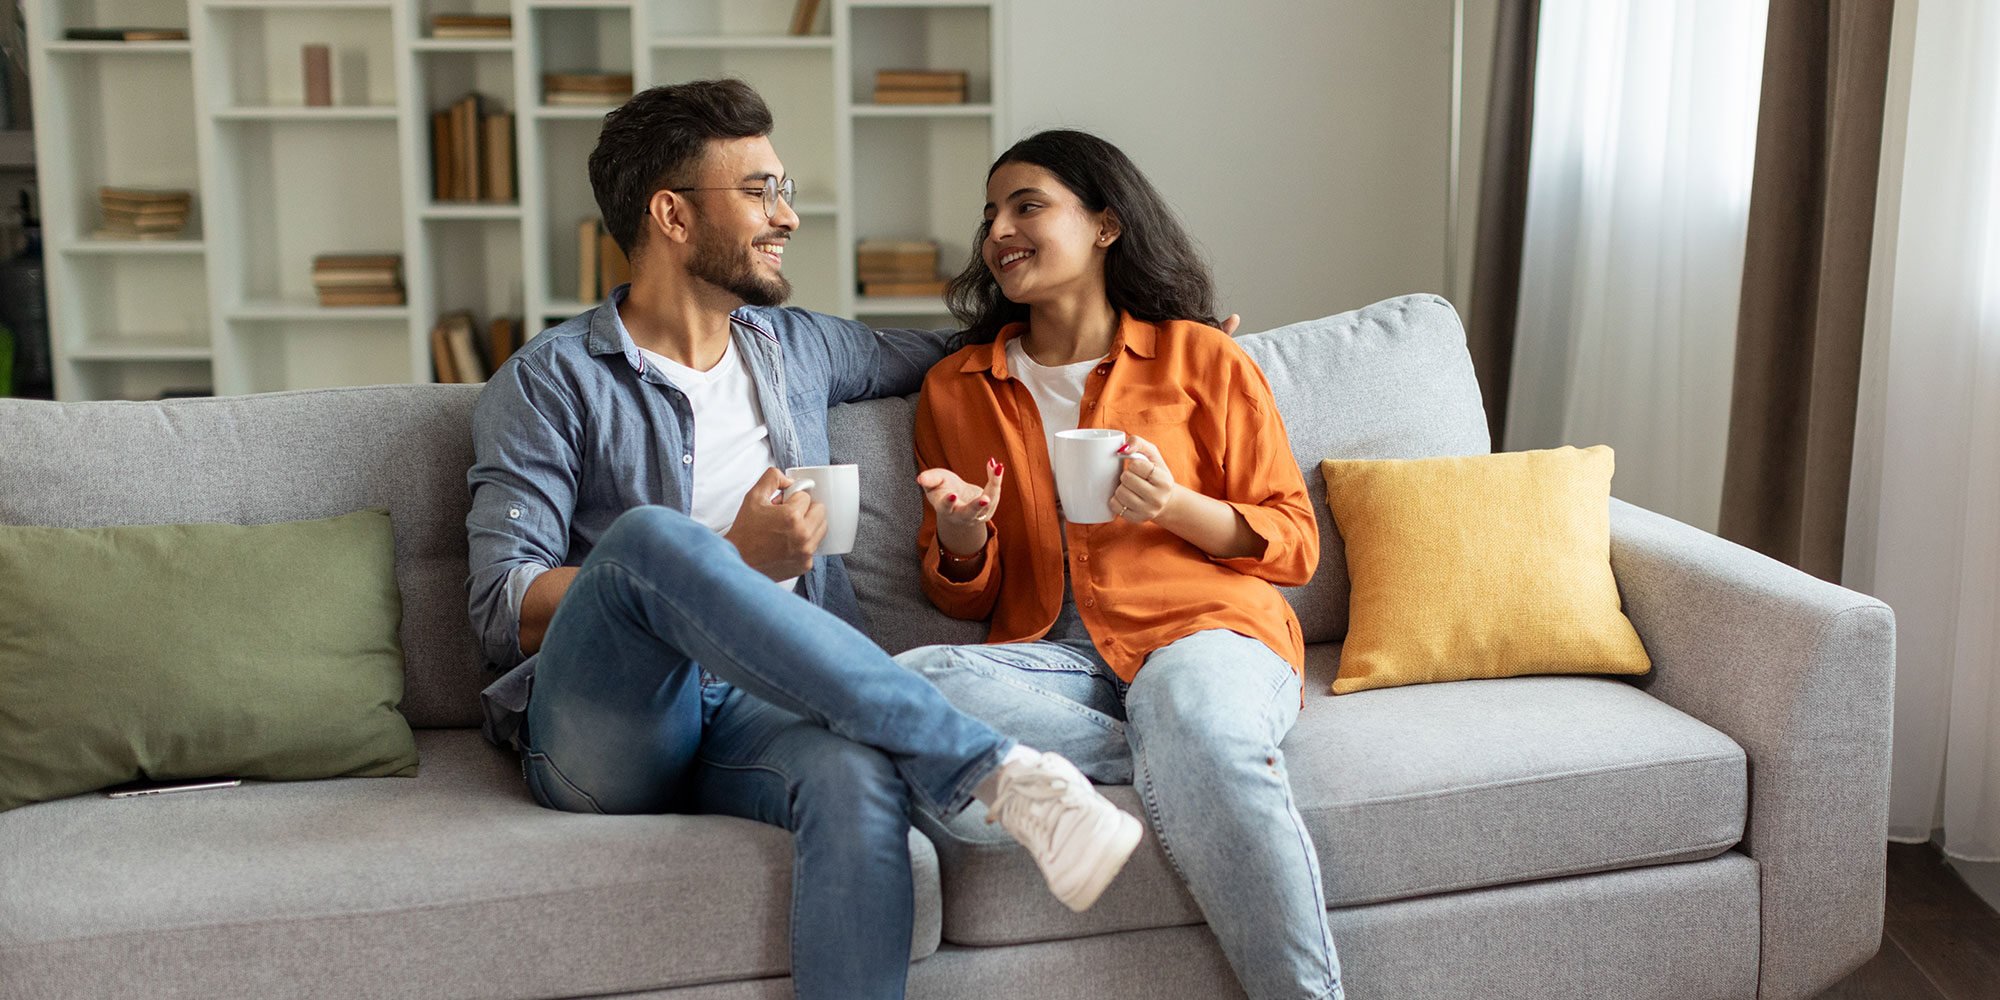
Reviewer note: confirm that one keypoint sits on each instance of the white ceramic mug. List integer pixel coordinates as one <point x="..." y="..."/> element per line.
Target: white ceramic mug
<point x="838" y="488"/>
<point x="1087" y="468"/>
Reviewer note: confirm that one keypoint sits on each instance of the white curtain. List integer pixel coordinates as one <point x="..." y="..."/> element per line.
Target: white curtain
<point x="1927" y="476"/>
<point x="1632" y="260"/>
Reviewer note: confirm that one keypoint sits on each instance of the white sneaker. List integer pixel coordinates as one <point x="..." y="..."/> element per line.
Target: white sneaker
<point x="1078" y="838"/>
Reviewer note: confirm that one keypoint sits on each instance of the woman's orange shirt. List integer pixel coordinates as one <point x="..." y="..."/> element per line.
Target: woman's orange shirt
<point x="1191" y="391"/>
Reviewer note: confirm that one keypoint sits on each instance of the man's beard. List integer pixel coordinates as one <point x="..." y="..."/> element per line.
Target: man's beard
<point x="728" y="266"/>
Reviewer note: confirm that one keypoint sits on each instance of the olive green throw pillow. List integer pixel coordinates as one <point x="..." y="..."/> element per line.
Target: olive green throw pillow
<point x="199" y="650"/>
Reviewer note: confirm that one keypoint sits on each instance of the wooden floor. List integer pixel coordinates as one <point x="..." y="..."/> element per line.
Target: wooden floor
<point x="1940" y="941"/>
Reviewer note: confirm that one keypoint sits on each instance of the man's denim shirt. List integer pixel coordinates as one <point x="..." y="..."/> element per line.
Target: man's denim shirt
<point x="576" y="429"/>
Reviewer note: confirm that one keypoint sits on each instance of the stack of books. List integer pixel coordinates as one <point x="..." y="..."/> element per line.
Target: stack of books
<point x="898" y="267"/>
<point x="601" y="266"/>
<point x="142" y="214"/>
<point x="472" y="26"/>
<point x="358" y="279"/>
<point x="920" y="86"/>
<point x="126" y="34"/>
<point x="474" y="152"/>
<point x="586" y="89"/>
<point x="460" y="356"/>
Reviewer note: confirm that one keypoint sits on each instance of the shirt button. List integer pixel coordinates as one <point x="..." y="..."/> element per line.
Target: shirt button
<point x="687" y="459"/>
<point x="1083" y="557"/>
<point x="1092" y="405"/>
<point x="1090" y="602"/>
<point x="1103" y="369"/>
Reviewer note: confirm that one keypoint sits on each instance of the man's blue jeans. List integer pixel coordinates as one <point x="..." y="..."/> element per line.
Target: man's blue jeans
<point x="675" y="678"/>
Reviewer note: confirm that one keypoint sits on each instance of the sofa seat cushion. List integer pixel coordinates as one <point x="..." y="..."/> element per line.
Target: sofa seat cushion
<point x="1413" y="791"/>
<point x="391" y="887"/>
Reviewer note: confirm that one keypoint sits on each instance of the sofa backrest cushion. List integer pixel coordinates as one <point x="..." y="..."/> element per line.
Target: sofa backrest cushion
<point x="1392" y="380"/>
<point x="278" y="457"/>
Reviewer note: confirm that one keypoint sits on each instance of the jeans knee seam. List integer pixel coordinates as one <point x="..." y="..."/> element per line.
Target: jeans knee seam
<point x="571" y="785"/>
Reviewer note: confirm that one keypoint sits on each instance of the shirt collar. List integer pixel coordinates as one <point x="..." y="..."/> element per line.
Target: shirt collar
<point x="608" y="334"/>
<point x="1134" y="335"/>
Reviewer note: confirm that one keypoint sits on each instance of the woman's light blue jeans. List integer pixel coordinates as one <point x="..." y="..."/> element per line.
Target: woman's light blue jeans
<point x="674" y="678"/>
<point x="1198" y="732"/>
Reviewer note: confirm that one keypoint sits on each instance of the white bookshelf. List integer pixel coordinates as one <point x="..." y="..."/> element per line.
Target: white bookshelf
<point x="230" y="304"/>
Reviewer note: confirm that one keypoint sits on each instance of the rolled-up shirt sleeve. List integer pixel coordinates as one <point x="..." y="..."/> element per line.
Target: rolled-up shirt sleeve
<point x="524" y="484"/>
<point x="1263" y="483"/>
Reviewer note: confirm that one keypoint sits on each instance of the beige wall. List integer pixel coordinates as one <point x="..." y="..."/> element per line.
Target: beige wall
<point x="1306" y="145"/>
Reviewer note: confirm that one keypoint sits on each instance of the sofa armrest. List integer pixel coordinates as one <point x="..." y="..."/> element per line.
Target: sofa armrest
<point x="1801" y="674"/>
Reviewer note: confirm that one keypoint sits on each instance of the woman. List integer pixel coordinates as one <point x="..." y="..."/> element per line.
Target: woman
<point x="1152" y="649"/>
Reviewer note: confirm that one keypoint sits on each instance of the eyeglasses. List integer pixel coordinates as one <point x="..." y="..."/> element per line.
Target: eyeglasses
<point x="772" y="190"/>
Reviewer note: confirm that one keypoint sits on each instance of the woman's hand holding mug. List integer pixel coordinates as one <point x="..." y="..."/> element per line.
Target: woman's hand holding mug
<point x="1146" y="486"/>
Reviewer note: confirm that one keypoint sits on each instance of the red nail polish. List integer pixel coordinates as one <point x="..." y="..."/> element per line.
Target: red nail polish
<point x="983" y="503"/>
<point x="951" y="499"/>
<point x="999" y="468"/>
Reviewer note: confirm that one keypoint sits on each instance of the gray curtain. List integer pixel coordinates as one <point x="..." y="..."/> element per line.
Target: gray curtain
<point x="1503" y="207"/>
<point x="1805" y="280"/>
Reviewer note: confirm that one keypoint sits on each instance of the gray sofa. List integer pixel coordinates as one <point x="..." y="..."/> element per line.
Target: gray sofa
<point x="1713" y="830"/>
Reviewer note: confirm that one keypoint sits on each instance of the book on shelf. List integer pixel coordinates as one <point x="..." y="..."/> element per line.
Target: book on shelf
<point x="920" y="86"/>
<point x="920" y="79"/>
<point x="896" y="260"/>
<point x="569" y="100"/>
<point x="496" y="179"/>
<point x="108" y="233"/>
<point x="581" y="88"/>
<point x="146" y="196"/>
<point x="319" y="75"/>
<point x="341" y="297"/>
<point x="126" y="34"/>
<point x="358" y="279"/>
<point x="612" y="267"/>
<point x="441" y="354"/>
<point x="503" y="338"/>
<point x="930" y="287"/>
<point x="804" y="14"/>
<point x="913" y="96"/>
<point x="473" y="152"/>
<point x="140" y="213"/>
<point x="601" y="266"/>
<point x="472" y="26"/>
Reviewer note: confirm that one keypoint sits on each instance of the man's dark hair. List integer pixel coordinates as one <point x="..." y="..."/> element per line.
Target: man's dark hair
<point x="657" y="140"/>
<point x="1152" y="270"/>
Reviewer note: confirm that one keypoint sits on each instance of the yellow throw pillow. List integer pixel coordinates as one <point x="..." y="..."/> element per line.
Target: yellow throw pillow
<point x="1486" y="566"/>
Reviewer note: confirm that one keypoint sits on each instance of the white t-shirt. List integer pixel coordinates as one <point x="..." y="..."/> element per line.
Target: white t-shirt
<point x="732" y="444"/>
<point x="1058" y="390"/>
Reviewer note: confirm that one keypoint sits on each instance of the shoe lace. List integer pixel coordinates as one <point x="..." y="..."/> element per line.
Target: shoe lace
<point x="1033" y="804"/>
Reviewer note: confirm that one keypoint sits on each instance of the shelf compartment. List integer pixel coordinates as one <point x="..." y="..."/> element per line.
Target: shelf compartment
<point x="262" y="48"/>
<point x="738" y="18"/>
<point x="921" y="180"/>
<point x="138" y="378"/>
<point x="320" y="348"/>
<point x="324" y="177"/>
<point x="931" y="36"/>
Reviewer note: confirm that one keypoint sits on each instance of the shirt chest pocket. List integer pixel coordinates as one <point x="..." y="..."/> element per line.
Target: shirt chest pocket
<point x="1170" y="426"/>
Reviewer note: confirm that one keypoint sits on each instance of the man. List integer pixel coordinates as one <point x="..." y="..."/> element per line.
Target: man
<point x="675" y="646"/>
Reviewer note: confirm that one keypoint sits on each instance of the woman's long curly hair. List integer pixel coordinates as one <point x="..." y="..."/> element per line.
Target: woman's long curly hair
<point x="1151" y="270"/>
